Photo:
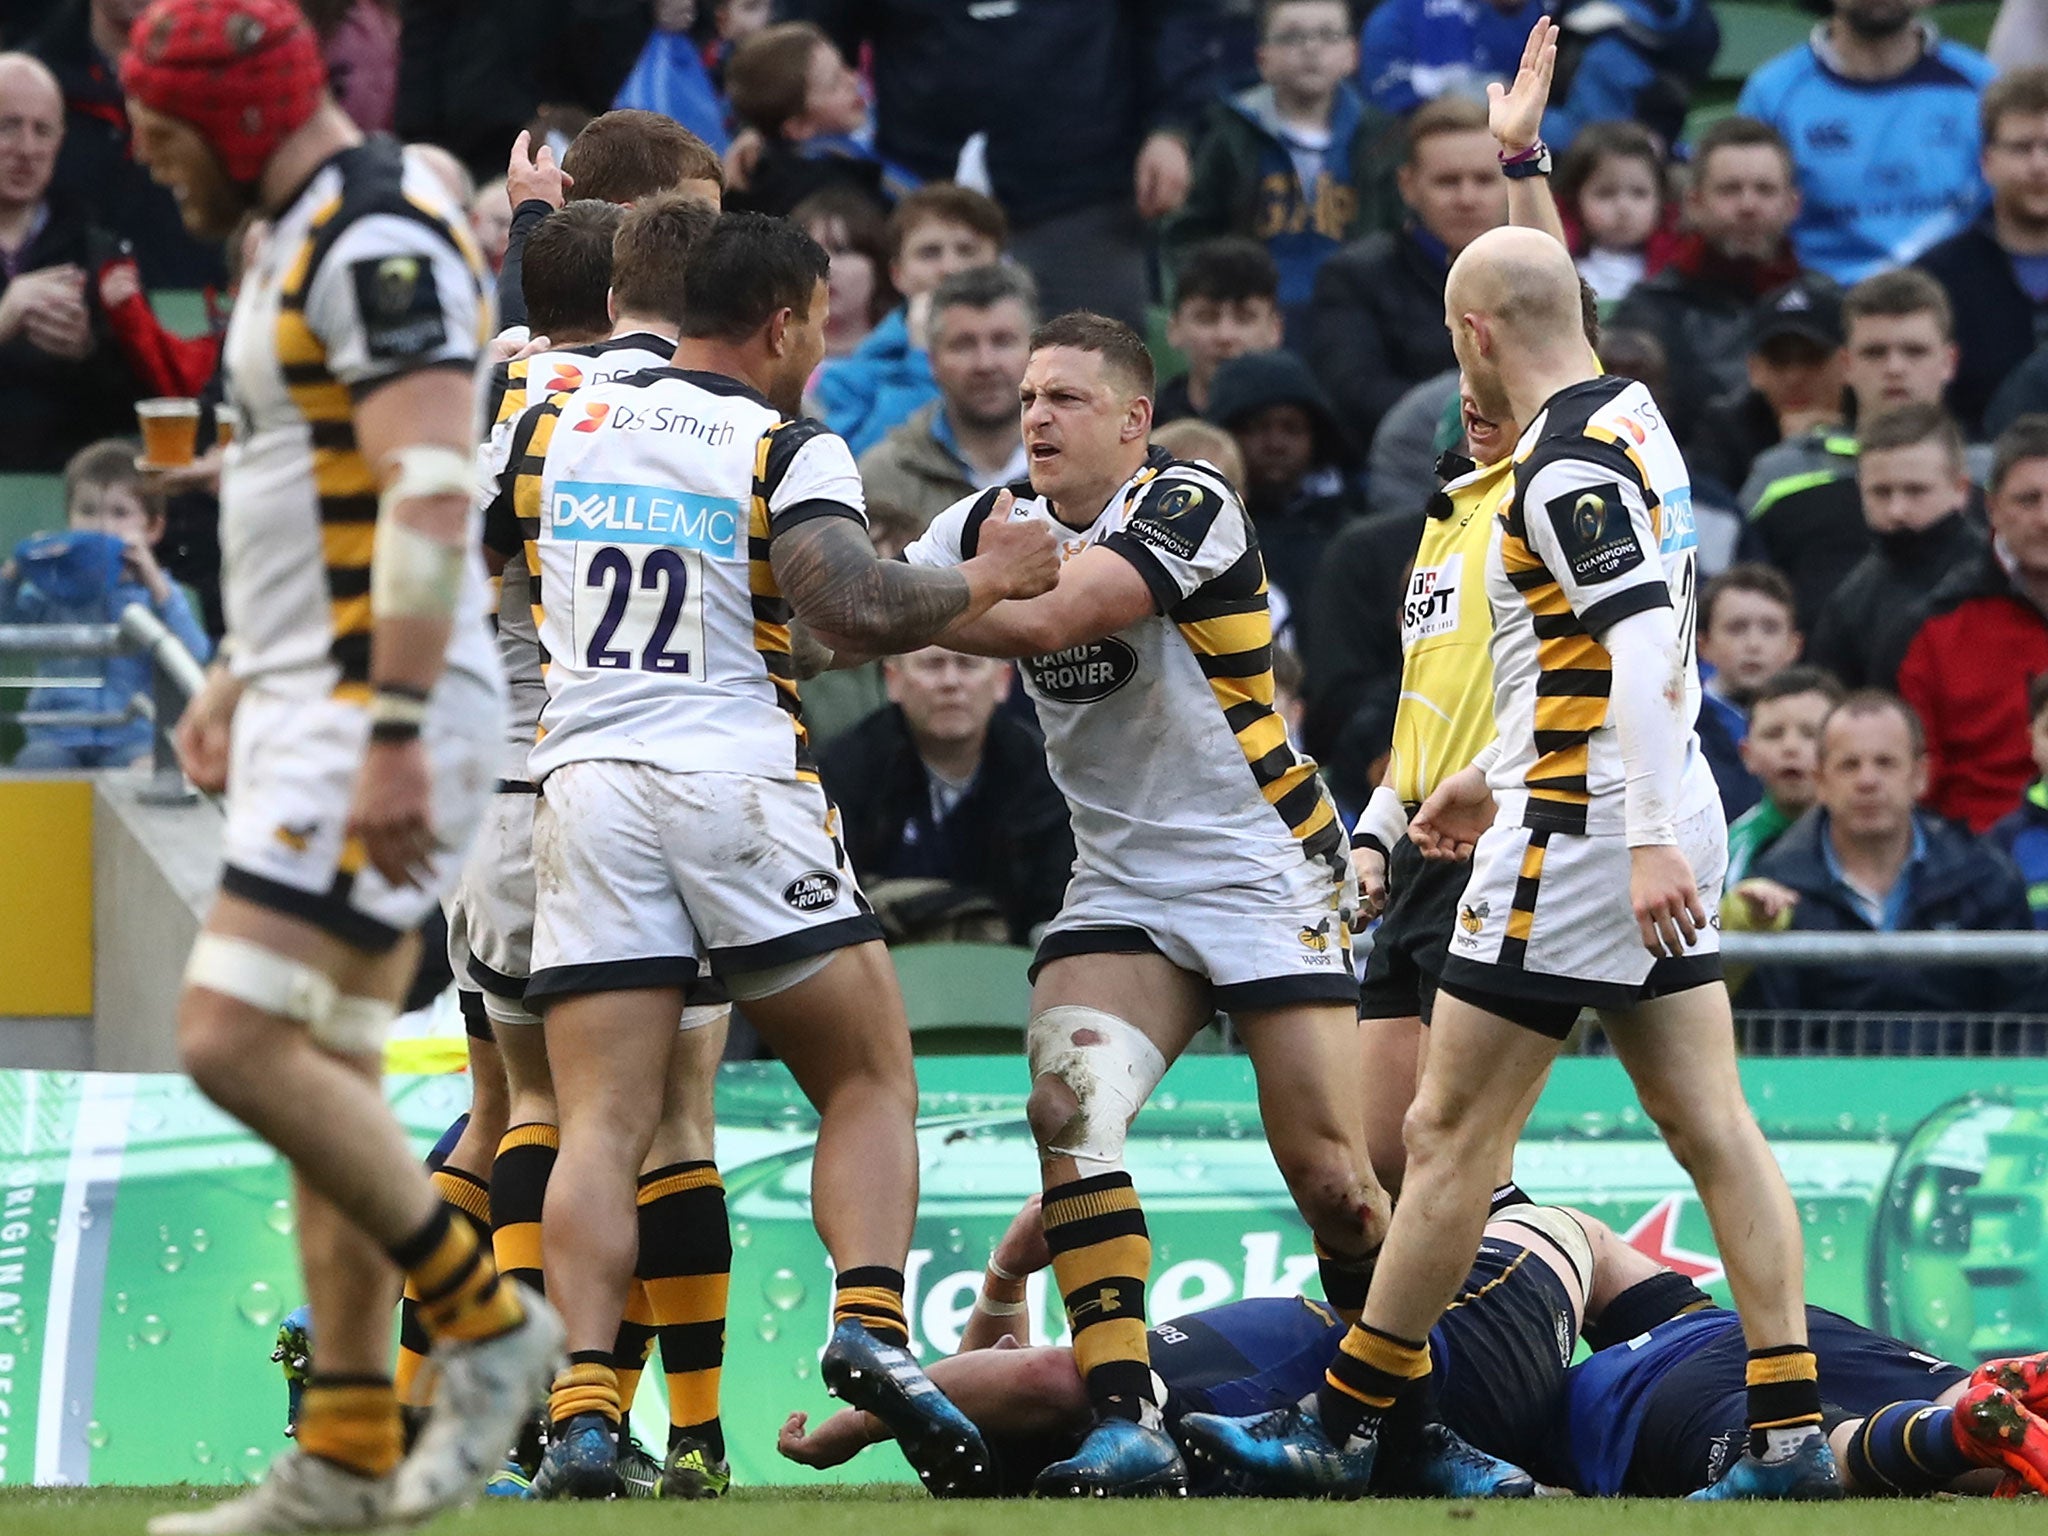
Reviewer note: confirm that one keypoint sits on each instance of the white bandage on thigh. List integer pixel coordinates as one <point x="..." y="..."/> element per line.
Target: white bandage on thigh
<point x="1111" y="1069"/>
<point x="751" y="985"/>
<point x="357" y="1026"/>
<point x="262" y="978"/>
<point x="413" y="575"/>
<point x="708" y="1013"/>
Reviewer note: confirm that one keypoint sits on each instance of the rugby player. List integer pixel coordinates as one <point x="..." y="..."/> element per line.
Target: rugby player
<point x="683" y="515"/>
<point x="352" y="728"/>
<point x="1212" y="871"/>
<point x="1594" y="785"/>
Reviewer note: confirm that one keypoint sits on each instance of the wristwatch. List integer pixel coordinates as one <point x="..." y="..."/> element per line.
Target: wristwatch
<point x="1533" y="161"/>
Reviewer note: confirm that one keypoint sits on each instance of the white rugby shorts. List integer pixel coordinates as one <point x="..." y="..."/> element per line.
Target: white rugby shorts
<point x="495" y="899"/>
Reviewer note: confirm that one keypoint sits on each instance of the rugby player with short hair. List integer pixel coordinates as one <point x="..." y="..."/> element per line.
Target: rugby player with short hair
<point x="1595" y="785"/>
<point x="1212" y="872"/>
<point x="684" y="516"/>
<point x="352" y="726"/>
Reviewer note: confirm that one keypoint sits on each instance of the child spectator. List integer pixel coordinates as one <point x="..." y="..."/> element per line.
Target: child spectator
<point x="1748" y="634"/>
<point x="935" y="231"/>
<point x="856" y="237"/>
<point x="90" y="575"/>
<point x="1301" y="162"/>
<point x="1225" y="304"/>
<point x="790" y="84"/>
<point x="1782" y="750"/>
<point x="2022" y="835"/>
<point x="490" y="220"/>
<point x="670" y="76"/>
<point x="1193" y="438"/>
<point x="1610" y="190"/>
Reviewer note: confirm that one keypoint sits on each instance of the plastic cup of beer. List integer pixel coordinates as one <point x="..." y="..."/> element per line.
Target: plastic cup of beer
<point x="223" y="427"/>
<point x="170" y="431"/>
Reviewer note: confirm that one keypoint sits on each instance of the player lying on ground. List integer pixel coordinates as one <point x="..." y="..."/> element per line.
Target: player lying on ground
<point x="1658" y="1410"/>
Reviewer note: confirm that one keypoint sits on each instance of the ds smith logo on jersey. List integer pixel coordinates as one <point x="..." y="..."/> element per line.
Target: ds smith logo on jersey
<point x="584" y="512"/>
<point x="595" y="414"/>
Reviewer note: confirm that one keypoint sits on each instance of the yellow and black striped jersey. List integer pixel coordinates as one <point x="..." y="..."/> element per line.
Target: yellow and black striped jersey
<point x="370" y="274"/>
<point x="654" y="502"/>
<point x="1599" y="527"/>
<point x="1163" y="736"/>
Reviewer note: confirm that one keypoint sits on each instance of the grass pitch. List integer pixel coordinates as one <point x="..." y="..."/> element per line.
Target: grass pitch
<point x="897" y="1510"/>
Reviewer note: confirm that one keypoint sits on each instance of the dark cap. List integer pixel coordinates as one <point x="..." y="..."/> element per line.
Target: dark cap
<point x="1250" y="383"/>
<point x="1809" y="306"/>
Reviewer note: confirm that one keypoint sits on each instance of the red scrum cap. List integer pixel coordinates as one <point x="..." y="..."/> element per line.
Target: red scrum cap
<point x="245" y="73"/>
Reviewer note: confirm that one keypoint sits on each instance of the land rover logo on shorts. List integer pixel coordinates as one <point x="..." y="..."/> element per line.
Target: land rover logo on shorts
<point x="813" y="892"/>
<point x="1082" y="674"/>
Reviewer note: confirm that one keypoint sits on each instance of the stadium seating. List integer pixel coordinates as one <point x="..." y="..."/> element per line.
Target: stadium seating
<point x="965" y="999"/>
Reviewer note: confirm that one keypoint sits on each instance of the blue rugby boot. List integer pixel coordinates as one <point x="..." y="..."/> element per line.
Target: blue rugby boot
<point x="1442" y="1464"/>
<point x="1283" y="1454"/>
<point x="1119" y="1459"/>
<point x="939" y="1441"/>
<point x="582" y="1461"/>
<point x="1807" y="1472"/>
<point x="509" y="1481"/>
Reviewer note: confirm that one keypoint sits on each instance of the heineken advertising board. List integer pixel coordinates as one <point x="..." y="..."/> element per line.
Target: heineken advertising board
<point x="146" y="1241"/>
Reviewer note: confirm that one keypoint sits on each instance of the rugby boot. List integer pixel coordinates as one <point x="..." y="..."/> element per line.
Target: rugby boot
<point x="582" y="1461"/>
<point x="1283" y="1454"/>
<point x="509" y="1481"/>
<point x="487" y="1388"/>
<point x="301" y="1493"/>
<point x="638" y="1470"/>
<point x="939" y="1441"/>
<point x="1444" y="1465"/>
<point x="1119" y="1459"/>
<point x="1994" y="1429"/>
<point x="692" y="1472"/>
<point x="1808" y="1472"/>
<point x="2024" y="1376"/>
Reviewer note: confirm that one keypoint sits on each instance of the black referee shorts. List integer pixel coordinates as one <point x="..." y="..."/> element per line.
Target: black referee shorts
<point x="1414" y="935"/>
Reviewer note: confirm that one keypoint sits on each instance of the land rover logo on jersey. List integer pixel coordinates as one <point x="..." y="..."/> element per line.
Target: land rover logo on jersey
<point x="813" y="892"/>
<point x="1083" y="674"/>
<point x="1595" y="533"/>
<point x="1431" y="604"/>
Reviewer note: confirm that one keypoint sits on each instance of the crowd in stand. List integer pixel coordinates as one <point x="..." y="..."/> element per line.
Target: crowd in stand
<point x="1837" y="295"/>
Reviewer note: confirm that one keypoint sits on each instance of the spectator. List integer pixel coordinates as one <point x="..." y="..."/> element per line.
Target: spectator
<point x="62" y="381"/>
<point x="789" y="84"/>
<point x="670" y="77"/>
<point x="969" y="438"/>
<point x="1996" y="271"/>
<point x="967" y="92"/>
<point x="941" y="786"/>
<point x="1881" y="115"/>
<point x="1970" y="663"/>
<point x="83" y="44"/>
<point x="490" y="220"/>
<point x="1731" y="252"/>
<point x="2022" y="834"/>
<point x="1193" y="438"/>
<point x="855" y="235"/>
<point x="90" y="576"/>
<point x="1748" y="634"/>
<point x="1293" y="485"/>
<point x="1865" y="860"/>
<point x="1300" y="162"/>
<point x="1376" y="323"/>
<point x="934" y="232"/>
<point x="1804" y="514"/>
<point x="1911" y="482"/>
<point x="1610" y="189"/>
<point x="1796" y="368"/>
<point x="1782" y="751"/>
<point x="1226" y="302"/>
<point x="359" y="41"/>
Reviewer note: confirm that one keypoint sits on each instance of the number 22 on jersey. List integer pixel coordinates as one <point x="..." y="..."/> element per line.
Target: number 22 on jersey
<point x="639" y="608"/>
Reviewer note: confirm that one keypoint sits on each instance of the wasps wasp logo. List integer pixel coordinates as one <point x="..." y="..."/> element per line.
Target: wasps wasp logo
<point x="1316" y="938"/>
<point x="1472" y="918"/>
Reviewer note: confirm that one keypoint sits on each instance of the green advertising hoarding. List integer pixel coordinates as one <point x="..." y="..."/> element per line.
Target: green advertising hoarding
<point x="146" y="1241"/>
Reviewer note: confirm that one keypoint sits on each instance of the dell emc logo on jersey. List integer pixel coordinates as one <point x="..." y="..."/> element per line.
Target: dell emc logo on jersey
<point x="581" y="511"/>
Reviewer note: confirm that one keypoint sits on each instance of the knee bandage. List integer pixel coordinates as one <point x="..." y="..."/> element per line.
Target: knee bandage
<point x="1108" y="1065"/>
<point x="291" y="989"/>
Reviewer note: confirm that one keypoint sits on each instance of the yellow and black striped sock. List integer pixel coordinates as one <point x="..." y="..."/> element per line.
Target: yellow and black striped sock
<point x="353" y="1422"/>
<point x="1371" y="1371"/>
<point x="872" y="1295"/>
<point x="1101" y="1257"/>
<point x="470" y="1198"/>
<point x="588" y="1384"/>
<point x="686" y="1264"/>
<point x="1345" y="1281"/>
<point x="633" y="1345"/>
<point x="460" y="1297"/>
<point x="1784" y="1393"/>
<point x="519" y="1188"/>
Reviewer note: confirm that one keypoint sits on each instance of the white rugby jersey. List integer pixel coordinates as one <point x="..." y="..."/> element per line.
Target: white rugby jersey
<point x="1163" y="737"/>
<point x="1599" y="527"/>
<point x="369" y="274"/>
<point x="512" y="386"/>
<point x="654" y="501"/>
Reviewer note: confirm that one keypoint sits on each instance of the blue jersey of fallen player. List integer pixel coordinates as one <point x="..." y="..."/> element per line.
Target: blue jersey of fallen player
<point x="1608" y="1394"/>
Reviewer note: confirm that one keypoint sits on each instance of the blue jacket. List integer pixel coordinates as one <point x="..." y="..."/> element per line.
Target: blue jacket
<point x="1721" y="728"/>
<point x="1959" y="883"/>
<point x="1888" y="168"/>
<point x="669" y="77"/>
<point x="876" y="386"/>
<point x="108" y="683"/>
<point x="2023" y="837"/>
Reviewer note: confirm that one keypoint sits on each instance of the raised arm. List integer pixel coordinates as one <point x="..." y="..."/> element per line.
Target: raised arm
<point x="1515" y="115"/>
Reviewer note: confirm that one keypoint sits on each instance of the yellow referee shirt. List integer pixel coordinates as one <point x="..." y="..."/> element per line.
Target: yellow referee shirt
<point x="1446" y="711"/>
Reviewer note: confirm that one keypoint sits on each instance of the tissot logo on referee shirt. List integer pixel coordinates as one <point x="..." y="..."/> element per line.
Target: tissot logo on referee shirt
<point x="812" y="892"/>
